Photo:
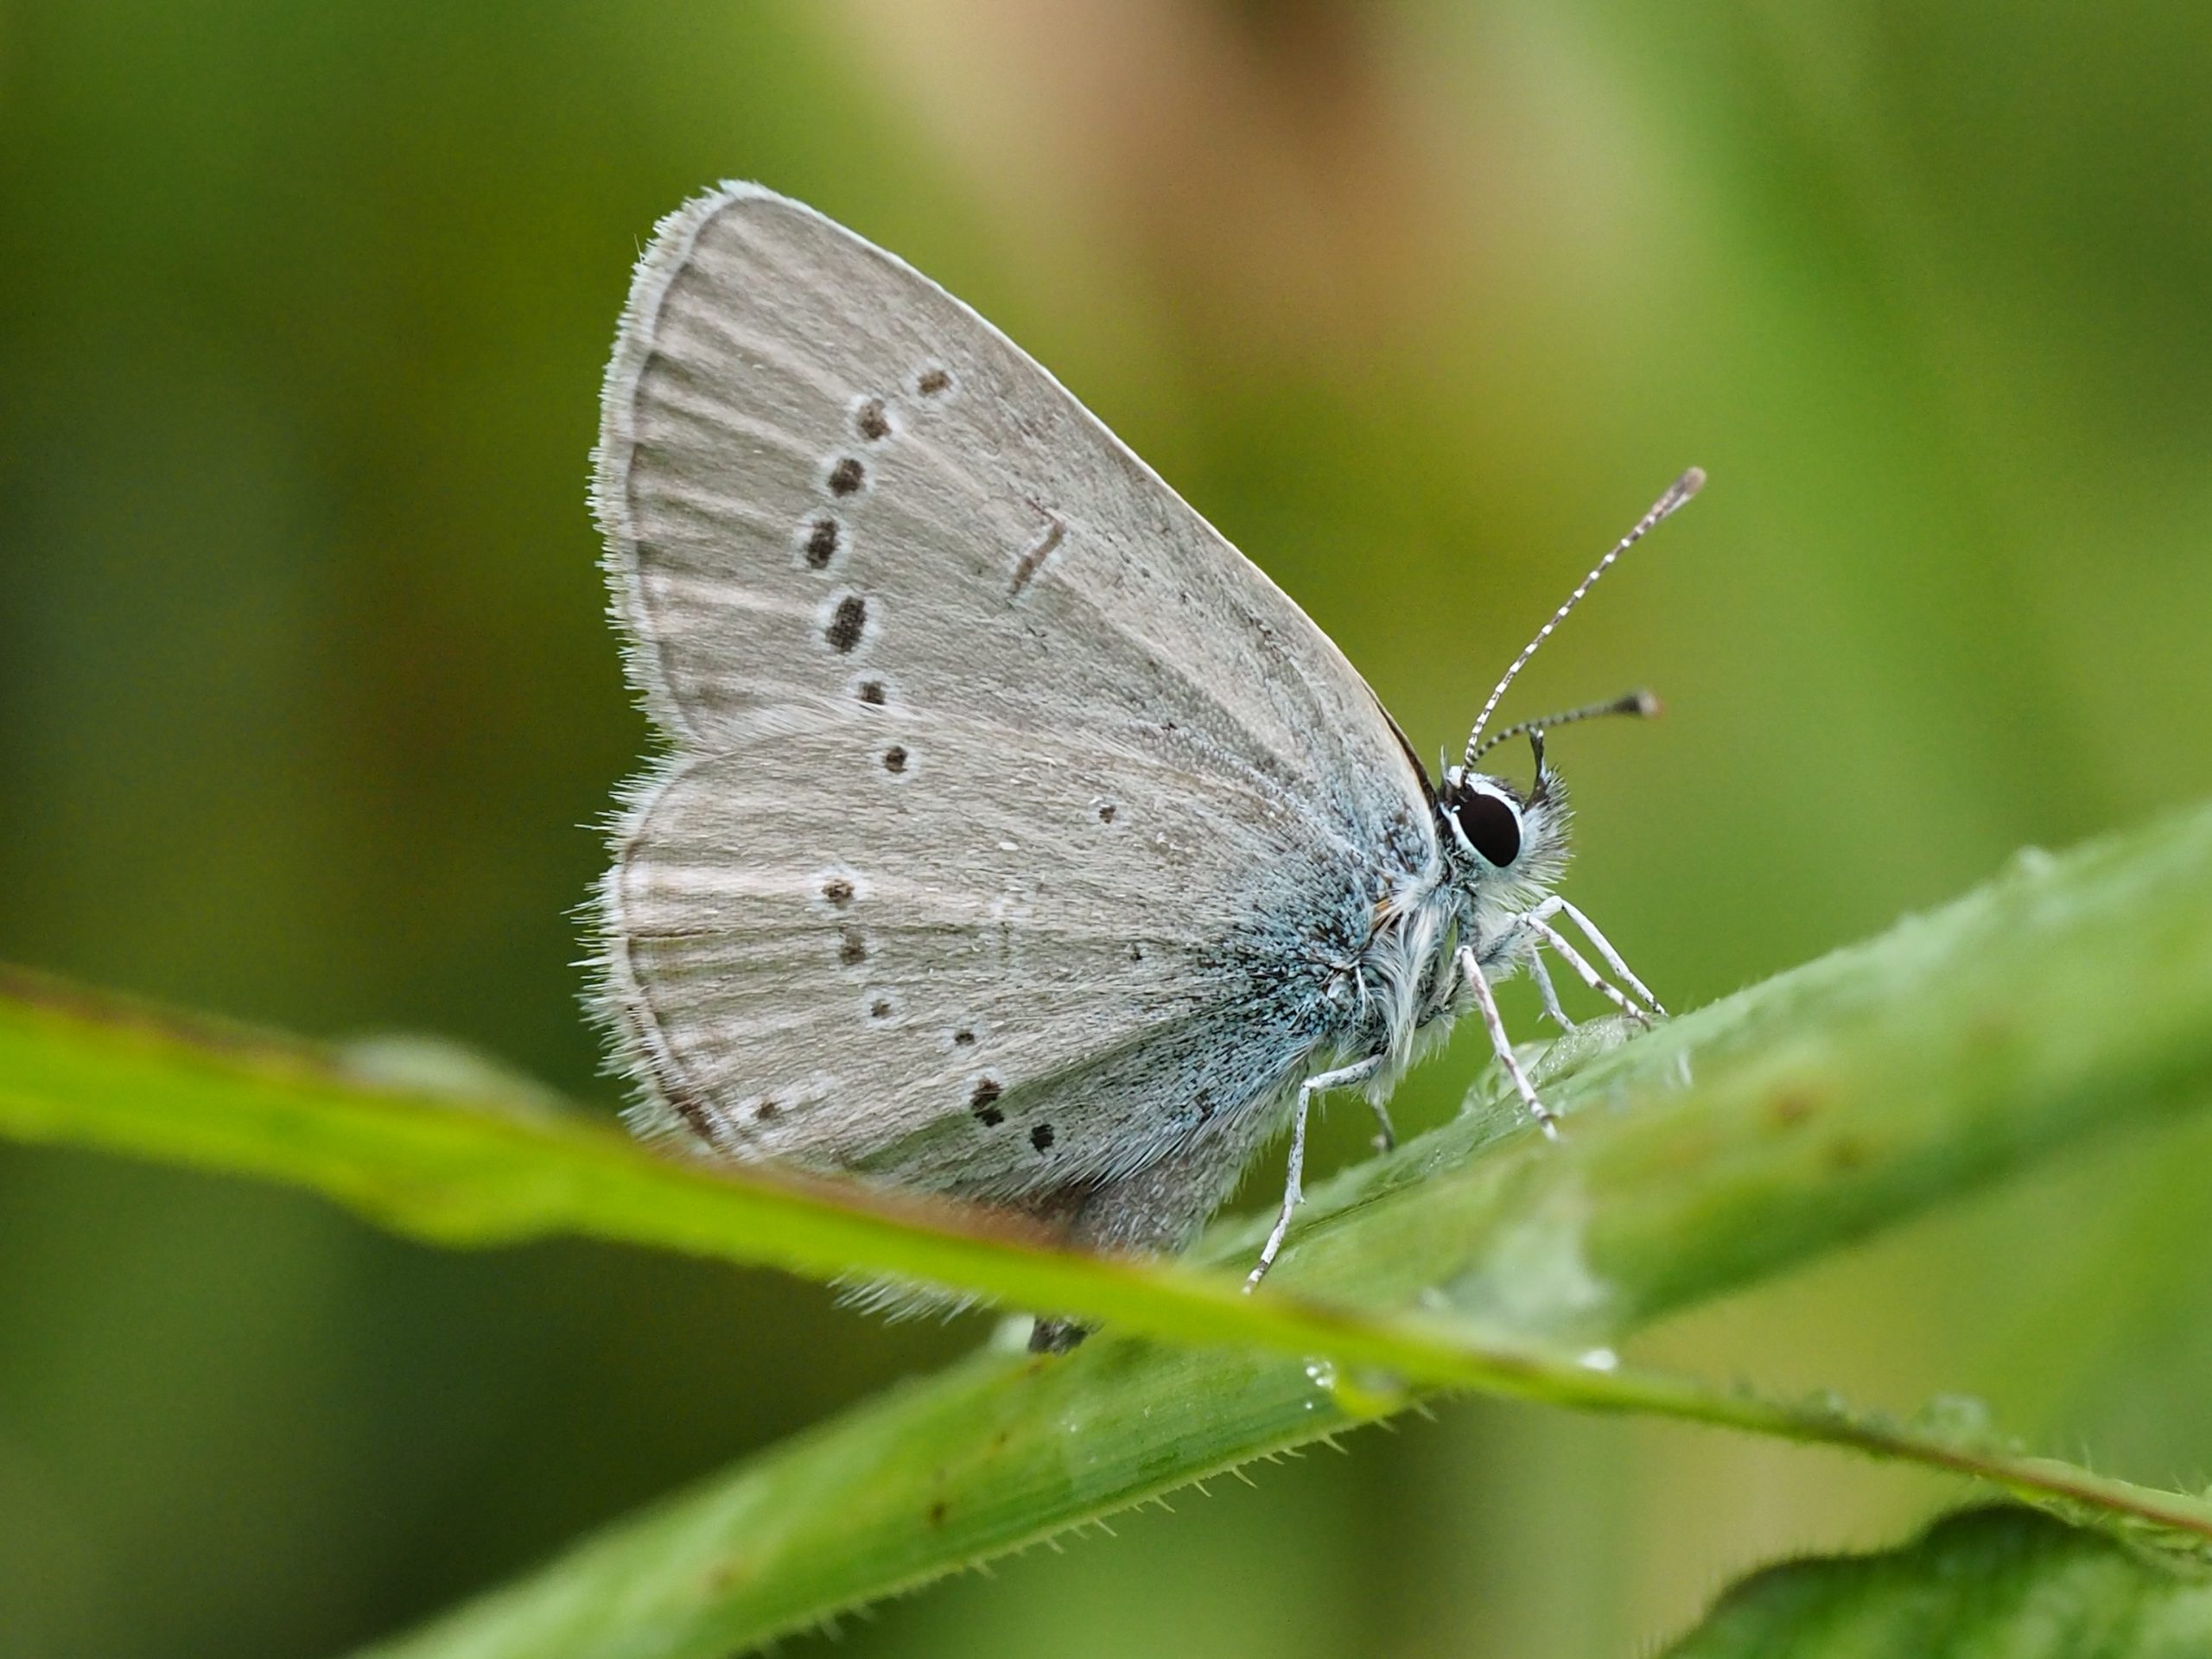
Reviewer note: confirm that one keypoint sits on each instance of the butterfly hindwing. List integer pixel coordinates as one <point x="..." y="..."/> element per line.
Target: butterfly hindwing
<point x="1073" y="961"/>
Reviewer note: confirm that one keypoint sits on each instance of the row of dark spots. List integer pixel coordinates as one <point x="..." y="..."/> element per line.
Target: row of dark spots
<point x="984" y="1104"/>
<point x="852" y="943"/>
<point x="848" y="473"/>
<point x="871" y="420"/>
<point x="846" y="626"/>
<point x="847" y="477"/>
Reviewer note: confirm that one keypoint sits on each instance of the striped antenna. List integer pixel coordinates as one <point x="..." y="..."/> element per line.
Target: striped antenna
<point x="1642" y="704"/>
<point x="1677" y="493"/>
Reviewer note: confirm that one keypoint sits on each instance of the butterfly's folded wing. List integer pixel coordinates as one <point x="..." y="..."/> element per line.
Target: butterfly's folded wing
<point x="1001" y="954"/>
<point x="979" y="729"/>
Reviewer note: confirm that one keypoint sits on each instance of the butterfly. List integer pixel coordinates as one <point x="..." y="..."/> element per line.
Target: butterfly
<point x="1015" y="838"/>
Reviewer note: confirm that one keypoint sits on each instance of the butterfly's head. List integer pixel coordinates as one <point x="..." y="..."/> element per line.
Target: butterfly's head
<point x="1502" y="841"/>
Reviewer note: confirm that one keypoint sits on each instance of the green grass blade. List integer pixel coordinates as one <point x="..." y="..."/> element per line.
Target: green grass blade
<point x="997" y="1453"/>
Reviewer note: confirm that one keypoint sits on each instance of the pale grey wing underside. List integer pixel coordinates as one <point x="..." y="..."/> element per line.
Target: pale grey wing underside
<point x="815" y="462"/>
<point x="845" y="517"/>
<point x="959" y="949"/>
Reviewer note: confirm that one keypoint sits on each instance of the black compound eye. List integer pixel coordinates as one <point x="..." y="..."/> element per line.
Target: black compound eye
<point x="1491" y="827"/>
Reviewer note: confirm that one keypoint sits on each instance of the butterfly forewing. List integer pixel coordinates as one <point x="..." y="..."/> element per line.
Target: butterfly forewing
<point x="1007" y="795"/>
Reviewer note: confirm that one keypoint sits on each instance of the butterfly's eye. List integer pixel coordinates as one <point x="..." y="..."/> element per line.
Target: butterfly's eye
<point x="1490" y="826"/>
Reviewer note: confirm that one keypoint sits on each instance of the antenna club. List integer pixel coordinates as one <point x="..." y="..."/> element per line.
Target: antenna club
<point x="1641" y="703"/>
<point x="1682" y="489"/>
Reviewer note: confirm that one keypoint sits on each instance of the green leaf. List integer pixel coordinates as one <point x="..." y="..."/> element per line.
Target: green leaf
<point x="2069" y="1000"/>
<point x="2004" y="1582"/>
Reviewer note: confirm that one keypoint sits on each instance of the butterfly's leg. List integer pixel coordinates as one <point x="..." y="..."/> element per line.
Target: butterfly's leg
<point x="1605" y="948"/>
<point x="1155" y="1210"/>
<point x="1501" y="1044"/>
<point x="1547" y="934"/>
<point x="1386" y="1132"/>
<point x="1294" y="1192"/>
<point x="1547" y="992"/>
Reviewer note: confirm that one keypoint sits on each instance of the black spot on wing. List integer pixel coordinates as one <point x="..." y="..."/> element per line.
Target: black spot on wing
<point x="984" y="1102"/>
<point x="847" y="623"/>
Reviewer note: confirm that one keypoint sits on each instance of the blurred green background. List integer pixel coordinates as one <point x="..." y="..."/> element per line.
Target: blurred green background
<point x="307" y="705"/>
